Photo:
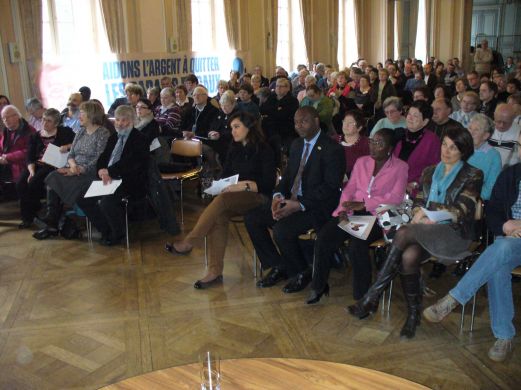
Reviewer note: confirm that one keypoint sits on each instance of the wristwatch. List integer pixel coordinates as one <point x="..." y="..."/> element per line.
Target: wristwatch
<point x="248" y="189"/>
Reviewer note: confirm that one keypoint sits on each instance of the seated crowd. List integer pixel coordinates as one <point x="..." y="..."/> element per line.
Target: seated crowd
<point x="311" y="150"/>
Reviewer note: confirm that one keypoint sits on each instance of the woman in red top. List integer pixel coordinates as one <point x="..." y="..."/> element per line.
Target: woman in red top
<point x="355" y="144"/>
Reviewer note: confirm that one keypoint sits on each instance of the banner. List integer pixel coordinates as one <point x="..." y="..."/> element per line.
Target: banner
<point x="106" y="77"/>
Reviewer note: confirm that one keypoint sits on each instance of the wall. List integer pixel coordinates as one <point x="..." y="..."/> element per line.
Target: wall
<point x="151" y="24"/>
<point x="498" y="19"/>
<point x="13" y="72"/>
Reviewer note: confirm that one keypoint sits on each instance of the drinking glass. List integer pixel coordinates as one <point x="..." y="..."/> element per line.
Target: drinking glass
<point x="210" y="371"/>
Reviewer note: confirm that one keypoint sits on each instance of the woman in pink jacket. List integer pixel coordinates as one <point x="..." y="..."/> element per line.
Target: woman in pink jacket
<point x="380" y="178"/>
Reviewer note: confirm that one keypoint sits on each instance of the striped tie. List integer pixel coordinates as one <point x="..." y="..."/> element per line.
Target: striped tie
<point x="298" y="179"/>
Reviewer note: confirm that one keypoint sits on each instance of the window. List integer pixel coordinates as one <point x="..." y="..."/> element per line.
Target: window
<point x="347" y="44"/>
<point x="420" y="50"/>
<point x="208" y="26"/>
<point x="290" y="29"/>
<point x="71" y="31"/>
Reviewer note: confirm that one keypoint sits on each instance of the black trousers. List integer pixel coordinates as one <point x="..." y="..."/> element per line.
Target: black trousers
<point x="286" y="231"/>
<point x="31" y="193"/>
<point x="330" y="237"/>
<point x="106" y="214"/>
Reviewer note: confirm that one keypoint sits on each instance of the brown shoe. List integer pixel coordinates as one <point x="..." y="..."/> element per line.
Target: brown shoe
<point x="500" y="350"/>
<point x="441" y="309"/>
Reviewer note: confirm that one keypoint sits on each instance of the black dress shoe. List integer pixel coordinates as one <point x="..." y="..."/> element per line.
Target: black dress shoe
<point x="200" y="285"/>
<point x="169" y="247"/>
<point x="45" y="233"/>
<point x="25" y="225"/>
<point x="438" y="269"/>
<point x="298" y="283"/>
<point x="314" y="296"/>
<point x="273" y="277"/>
<point x="111" y="241"/>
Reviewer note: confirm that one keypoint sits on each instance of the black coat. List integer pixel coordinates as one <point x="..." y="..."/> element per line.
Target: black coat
<point x="64" y="136"/>
<point x="504" y="195"/>
<point x="204" y="121"/>
<point x="321" y="178"/>
<point x="277" y="116"/>
<point x="132" y="166"/>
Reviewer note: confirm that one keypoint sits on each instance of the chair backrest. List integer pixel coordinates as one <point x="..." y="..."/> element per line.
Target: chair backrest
<point x="187" y="147"/>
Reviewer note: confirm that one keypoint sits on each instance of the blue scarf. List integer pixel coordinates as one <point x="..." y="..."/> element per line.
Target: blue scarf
<point x="441" y="182"/>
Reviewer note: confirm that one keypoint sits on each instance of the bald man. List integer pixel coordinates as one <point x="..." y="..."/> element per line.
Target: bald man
<point x="505" y="135"/>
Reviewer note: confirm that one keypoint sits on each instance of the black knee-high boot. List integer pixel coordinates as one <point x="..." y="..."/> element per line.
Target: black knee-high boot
<point x="369" y="303"/>
<point x="413" y="299"/>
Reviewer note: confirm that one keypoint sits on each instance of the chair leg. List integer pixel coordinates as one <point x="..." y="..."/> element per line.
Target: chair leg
<point x="89" y="230"/>
<point x="462" y="321"/>
<point x="126" y="225"/>
<point x="390" y="296"/>
<point x="206" y="251"/>
<point x="386" y="298"/>
<point x="182" y="207"/>
<point x="473" y="312"/>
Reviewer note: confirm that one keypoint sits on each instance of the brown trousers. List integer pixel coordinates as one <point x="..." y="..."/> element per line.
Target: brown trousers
<point x="214" y="220"/>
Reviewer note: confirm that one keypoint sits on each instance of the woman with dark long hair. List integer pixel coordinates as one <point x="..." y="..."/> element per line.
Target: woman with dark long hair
<point x="253" y="160"/>
<point x="452" y="185"/>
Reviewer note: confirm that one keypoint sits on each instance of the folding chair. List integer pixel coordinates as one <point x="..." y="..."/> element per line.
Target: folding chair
<point x="185" y="148"/>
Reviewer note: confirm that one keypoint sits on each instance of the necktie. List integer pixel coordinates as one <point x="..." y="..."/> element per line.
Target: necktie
<point x="298" y="178"/>
<point x="118" y="149"/>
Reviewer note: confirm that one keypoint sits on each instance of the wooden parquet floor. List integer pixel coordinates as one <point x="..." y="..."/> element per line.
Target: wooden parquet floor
<point x="80" y="316"/>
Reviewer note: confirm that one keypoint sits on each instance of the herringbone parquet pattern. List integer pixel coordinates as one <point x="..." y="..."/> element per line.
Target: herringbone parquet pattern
<point x="79" y="316"/>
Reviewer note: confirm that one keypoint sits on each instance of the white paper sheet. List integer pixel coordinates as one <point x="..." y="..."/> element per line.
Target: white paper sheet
<point x="358" y="226"/>
<point x="97" y="188"/>
<point x="54" y="157"/>
<point x="154" y="144"/>
<point x="439" y="216"/>
<point x="219" y="185"/>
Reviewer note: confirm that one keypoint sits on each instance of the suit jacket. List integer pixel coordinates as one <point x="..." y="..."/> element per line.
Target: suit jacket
<point x="131" y="167"/>
<point x="321" y="178"/>
<point x="432" y="82"/>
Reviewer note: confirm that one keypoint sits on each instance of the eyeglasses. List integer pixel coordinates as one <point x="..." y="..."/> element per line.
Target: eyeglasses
<point x="375" y="142"/>
<point x="389" y="112"/>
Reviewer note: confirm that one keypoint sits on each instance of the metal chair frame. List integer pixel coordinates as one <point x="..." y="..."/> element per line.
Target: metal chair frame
<point x="185" y="148"/>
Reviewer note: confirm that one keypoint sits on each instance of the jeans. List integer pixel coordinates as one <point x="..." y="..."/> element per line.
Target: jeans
<point x="494" y="267"/>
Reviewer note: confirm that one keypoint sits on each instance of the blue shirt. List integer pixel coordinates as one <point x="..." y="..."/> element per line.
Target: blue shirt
<point x="488" y="159"/>
<point x="311" y="143"/>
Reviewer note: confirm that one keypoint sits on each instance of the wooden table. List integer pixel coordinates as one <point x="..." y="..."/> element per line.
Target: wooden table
<point x="301" y="374"/>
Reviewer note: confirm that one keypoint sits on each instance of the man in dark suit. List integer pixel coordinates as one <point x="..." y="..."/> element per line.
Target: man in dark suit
<point x="305" y="198"/>
<point x="125" y="157"/>
<point x="431" y="80"/>
<point x="277" y="118"/>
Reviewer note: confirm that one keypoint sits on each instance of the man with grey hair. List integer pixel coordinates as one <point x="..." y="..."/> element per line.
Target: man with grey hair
<point x="14" y="140"/>
<point x="320" y="70"/>
<point x="35" y="109"/>
<point x="125" y="157"/>
<point x="505" y="135"/>
<point x="299" y="82"/>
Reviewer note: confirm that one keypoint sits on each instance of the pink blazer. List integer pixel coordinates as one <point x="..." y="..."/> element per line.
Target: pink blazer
<point x="388" y="186"/>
